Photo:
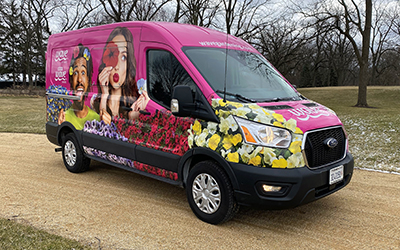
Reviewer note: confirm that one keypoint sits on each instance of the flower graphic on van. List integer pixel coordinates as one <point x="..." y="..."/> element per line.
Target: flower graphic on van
<point x="214" y="141"/>
<point x="141" y="85"/>
<point x="110" y="56"/>
<point x="76" y="52"/>
<point x="86" y="54"/>
<point x="55" y="104"/>
<point x="226" y="138"/>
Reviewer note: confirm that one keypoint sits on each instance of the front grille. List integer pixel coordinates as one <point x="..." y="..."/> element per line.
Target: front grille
<point x="318" y="154"/>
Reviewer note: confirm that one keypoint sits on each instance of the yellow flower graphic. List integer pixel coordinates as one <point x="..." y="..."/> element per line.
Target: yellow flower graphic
<point x="265" y="112"/>
<point x="227" y="144"/>
<point x="231" y="140"/>
<point x="278" y="117"/>
<point x="236" y="139"/>
<point x="298" y="131"/>
<point x="214" y="141"/>
<point x="281" y="163"/>
<point x="254" y="106"/>
<point x="71" y="71"/>
<point x="196" y="127"/>
<point x="295" y="147"/>
<point x="278" y="124"/>
<point x="233" y="157"/>
<point x="235" y="104"/>
<point x="256" y="161"/>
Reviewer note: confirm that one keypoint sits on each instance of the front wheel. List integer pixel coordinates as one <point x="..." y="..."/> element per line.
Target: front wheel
<point x="210" y="193"/>
<point x="74" y="159"/>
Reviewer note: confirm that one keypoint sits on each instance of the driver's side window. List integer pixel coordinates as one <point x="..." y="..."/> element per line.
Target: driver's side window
<point x="164" y="72"/>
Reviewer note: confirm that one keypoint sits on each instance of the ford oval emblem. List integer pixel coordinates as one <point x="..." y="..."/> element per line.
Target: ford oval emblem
<point x="331" y="142"/>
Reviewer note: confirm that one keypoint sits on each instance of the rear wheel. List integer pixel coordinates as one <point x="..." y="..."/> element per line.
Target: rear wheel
<point x="210" y="193"/>
<point x="74" y="159"/>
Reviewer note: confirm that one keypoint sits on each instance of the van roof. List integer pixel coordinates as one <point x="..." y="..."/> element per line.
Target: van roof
<point x="175" y="33"/>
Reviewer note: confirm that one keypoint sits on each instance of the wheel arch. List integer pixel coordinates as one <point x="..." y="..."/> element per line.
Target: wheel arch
<point x="66" y="128"/>
<point x="197" y="155"/>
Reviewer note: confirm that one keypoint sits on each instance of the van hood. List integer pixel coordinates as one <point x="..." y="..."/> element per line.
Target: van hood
<point x="309" y="115"/>
<point x="298" y="116"/>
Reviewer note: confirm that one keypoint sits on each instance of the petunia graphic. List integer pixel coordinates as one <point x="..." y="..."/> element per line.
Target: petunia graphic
<point x="110" y="56"/>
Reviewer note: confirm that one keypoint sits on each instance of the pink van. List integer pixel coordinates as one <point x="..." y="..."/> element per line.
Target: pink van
<point x="193" y="107"/>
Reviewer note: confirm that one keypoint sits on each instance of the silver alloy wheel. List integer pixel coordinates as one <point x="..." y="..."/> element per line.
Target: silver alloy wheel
<point x="206" y="193"/>
<point x="70" y="153"/>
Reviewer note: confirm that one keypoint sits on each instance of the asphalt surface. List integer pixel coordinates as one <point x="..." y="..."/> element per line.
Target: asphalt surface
<point x="109" y="208"/>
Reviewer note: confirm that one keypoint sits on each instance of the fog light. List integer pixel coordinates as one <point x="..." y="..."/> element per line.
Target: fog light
<point x="268" y="188"/>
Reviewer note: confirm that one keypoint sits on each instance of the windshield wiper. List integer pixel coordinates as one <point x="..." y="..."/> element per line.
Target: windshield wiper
<point x="279" y="99"/>
<point x="238" y="96"/>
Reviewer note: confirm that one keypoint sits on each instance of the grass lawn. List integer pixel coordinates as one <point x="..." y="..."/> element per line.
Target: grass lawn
<point x="17" y="236"/>
<point x="23" y="114"/>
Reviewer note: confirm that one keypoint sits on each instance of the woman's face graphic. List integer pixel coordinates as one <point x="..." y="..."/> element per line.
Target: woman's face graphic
<point x="118" y="73"/>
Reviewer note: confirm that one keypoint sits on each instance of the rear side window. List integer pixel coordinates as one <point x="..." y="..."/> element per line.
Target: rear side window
<point x="164" y="72"/>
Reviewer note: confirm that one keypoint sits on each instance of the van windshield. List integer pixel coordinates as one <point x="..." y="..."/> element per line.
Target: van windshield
<point x="249" y="76"/>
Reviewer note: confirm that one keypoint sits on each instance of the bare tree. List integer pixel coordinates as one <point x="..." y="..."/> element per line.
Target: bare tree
<point x="198" y="12"/>
<point x="119" y="10"/>
<point x="282" y="43"/>
<point x="340" y="59"/>
<point x="74" y="14"/>
<point x="128" y="10"/>
<point x="150" y="10"/>
<point x="37" y="13"/>
<point x="351" y="20"/>
<point x="242" y="18"/>
<point x="380" y="44"/>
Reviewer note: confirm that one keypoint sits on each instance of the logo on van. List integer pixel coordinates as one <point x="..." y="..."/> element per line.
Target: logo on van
<point x="331" y="142"/>
<point x="305" y="113"/>
<point x="61" y="55"/>
<point x="60" y="74"/>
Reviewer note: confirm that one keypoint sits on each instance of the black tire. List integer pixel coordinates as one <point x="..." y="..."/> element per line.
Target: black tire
<point x="74" y="159"/>
<point x="217" y="206"/>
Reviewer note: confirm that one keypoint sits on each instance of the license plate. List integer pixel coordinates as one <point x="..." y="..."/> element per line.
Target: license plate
<point x="335" y="175"/>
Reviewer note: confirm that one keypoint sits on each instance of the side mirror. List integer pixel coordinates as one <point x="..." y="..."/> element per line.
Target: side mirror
<point x="182" y="103"/>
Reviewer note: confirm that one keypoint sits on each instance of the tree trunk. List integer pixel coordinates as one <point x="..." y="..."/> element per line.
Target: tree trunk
<point x="362" y="86"/>
<point x="363" y="75"/>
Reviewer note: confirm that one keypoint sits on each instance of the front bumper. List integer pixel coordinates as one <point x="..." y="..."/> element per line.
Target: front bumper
<point x="301" y="185"/>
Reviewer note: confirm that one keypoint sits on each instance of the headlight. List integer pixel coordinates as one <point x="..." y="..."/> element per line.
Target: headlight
<point x="264" y="135"/>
